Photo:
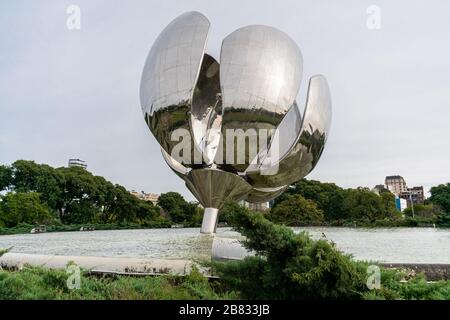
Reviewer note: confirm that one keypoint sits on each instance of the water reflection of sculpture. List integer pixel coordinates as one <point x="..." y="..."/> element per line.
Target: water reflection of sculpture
<point x="253" y="87"/>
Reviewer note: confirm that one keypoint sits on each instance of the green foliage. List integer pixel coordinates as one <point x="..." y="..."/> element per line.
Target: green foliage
<point x="5" y="177"/>
<point x="339" y="205"/>
<point x="443" y="220"/>
<point x="228" y="210"/>
<point x="296" y="211"/>
<point x="293" y="266"/>
<point x="43" y="284"/>
<point x="3" y="251"/>
<point x="396" y="286"/>
<point x="388" y="205"/>
<point x="179" y="210"/>
<point x="286" y="266"/>
<point x="21" y="207"/>
<point x="19" y="229"/>
<point x="200" y="287"/>
<point x="440" y="195"/>
<point x="31" y="177"/>
<point x="289" y="265"/>
<point x="196" y="219"/>
<point x="361" y="203"/>
<point x="75" y="196"/>
<point x="327" y="196"/>
<point x="428" y="211"/>
<point x="59" y="227"/>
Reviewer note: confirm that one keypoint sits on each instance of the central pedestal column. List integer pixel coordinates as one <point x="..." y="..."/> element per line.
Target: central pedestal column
<point x="210" y="219"/>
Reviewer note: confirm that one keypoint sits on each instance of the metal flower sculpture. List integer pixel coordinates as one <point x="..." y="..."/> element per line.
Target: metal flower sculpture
<point x="232" y="130"/>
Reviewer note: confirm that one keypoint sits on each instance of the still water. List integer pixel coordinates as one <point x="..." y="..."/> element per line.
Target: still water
<point x="401" y="245"/>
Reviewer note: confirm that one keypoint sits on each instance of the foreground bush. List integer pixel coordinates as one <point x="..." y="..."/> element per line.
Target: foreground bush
<point x="289" y="265"/>
<point x="293" y="266"/>
<point x="397" y="285"/>
<point x="44" y="284"/>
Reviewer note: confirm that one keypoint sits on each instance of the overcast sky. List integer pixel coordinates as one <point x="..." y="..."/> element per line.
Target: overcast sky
<point x="75" y="93"/>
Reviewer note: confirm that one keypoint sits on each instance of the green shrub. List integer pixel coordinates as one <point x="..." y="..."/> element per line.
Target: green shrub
<point x="38" y="283"/>
<point x="289" y="265"/>
<point x="444" y="220"/>
<point x="293" y="266"/>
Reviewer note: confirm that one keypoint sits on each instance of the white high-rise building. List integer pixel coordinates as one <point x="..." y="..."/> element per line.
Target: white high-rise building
<point x="396" y="184"/>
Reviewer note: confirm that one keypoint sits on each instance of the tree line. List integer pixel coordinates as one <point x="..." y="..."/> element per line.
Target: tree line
<point x="310" y="202"/>
<point x="34" y="193"/>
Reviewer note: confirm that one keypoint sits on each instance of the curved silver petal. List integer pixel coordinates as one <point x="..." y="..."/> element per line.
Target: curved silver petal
<point x="260" y="75"/>
<point x="206" y="111"/>
<point x="176" y="167"/>
<point x="282" y="142"/>
<point x="305" y="154"/>
<point x="169" y="77"/>
<point x="213" y="187"/>
<point x="264" y="194"/>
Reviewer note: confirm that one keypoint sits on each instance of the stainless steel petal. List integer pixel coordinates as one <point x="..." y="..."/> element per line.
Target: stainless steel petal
<point x="260" y="75"/>
<point x="264" y="194"/>
<point x="282" y="142"/>
<point x="170" y="74"/>
<point x="206" y="112"/>
<point x="305" y="154"/>
<point x="213" y="187"/>
<point x="176" y="167"/>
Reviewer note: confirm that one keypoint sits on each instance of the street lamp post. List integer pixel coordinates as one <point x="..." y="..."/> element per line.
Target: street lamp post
<point x="412" y="204"/>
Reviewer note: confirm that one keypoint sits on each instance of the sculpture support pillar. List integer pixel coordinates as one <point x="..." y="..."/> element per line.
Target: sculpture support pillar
<point x="210" y="219"/>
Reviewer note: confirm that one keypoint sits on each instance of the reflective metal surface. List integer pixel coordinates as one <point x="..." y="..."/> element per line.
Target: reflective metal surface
<point x="308" y="148"/>
<point x="264" y="194"/>
<point x="283" y="141"/>
<point x="176" y="167"/>
<point x="206" y="109"/>
<point x="213" y="187"/>
<point x="170" y="74"/>
<point x="210" y="219"/>
<point x="260" y="75"/>
<point x="187" y="96"/>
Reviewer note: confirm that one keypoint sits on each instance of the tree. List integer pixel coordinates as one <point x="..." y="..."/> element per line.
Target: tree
<point x="327" y="196"/>
<point x="296" y="211"/>
<point x="5" y="177"/>
<point x="229" y="208"/>
<point x="21" y="207"/>
<point x="77" y="196"/>
<point x="31" y="177"/>
<point x="440" y="195"/>
<point x="388" y="205"/>
<point x="196" y="219"/>
<point x="427" y="211"/>
<point x="124" y="207"/>
<point x="443" y="220"/>
<point x="361" y="203"/>
<point x="82" y="196"/>
<point x="176" y="207"/>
